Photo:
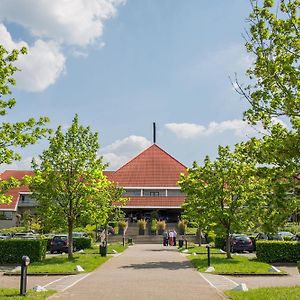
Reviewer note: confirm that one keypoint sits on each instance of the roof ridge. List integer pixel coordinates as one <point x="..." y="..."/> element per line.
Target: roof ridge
<point x="152" y="146"/>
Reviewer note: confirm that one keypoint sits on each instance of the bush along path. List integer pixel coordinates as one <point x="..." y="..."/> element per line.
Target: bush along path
<point x="88" y="259"/>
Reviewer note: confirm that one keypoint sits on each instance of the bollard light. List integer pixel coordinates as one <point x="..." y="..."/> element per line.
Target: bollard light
<point x="208" y="255"/>
<point x="23" y="281"/>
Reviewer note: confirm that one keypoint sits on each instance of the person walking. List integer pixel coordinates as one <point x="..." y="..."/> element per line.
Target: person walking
<point x="171" y="238"/>
<point x="165" y="238"/>
<point x="175" y="235"/>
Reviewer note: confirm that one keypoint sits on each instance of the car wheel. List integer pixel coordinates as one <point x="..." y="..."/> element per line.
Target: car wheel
<point x="51" y="252"/>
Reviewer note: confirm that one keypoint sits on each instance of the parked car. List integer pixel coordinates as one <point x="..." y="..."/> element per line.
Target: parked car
<point x="240" y="243"/>
<point x="296" y="238"/>
<point x="4" y="235"/>
<point x="270" y="237"/>
<point x="286" y="235"/>
<point x="79" y="234"/>
<point x="24" y="235"/>
<point x="59" y="244"/>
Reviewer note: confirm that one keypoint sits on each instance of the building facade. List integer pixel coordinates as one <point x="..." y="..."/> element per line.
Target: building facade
<point x="149" y="181"/>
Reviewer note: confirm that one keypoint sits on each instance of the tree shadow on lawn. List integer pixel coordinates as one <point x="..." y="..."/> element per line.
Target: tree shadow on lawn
<point x="168" y="265"/>
<point x="201" y="262"/>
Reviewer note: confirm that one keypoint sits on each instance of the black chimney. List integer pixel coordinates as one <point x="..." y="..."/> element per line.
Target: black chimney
<point x="154" y="133"/>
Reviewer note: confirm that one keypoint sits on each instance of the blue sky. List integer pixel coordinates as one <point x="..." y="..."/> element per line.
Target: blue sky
<point x="122" y="65"/>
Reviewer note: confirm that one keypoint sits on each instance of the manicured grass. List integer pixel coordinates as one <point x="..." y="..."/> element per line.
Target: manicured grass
<point x="13" y="294"/>
<point x="89" y="260"/>
<point x="192" y="248"/>
<point x="276" y="293"/>
<point x="235" y="265"/>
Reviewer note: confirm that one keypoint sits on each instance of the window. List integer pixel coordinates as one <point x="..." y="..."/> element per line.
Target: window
<point x="132" y="192"/>
<point x="6" y="215"/>
<point x="154" y="194"/>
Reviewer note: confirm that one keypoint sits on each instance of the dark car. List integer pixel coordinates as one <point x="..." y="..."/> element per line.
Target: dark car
<point x="269" y="237"/>
<point x="59" y="244"/>
<point x="240" y="243"/>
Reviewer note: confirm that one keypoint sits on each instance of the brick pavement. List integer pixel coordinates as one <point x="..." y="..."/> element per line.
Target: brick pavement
<point x="143" y="272"/>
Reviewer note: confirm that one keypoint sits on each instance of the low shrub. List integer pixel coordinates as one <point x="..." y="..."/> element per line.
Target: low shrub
<point x="13" y="229"/>
<point x="82" y="243"/>
<point x="122" y="224"/>
<point x="161" y="226"/>
<point x="12" y="250"/>
<point x="220" y="242"/>
<point x="182" y="224"/>
<point x="153" y="227"/>
<point x="278" y="251"/>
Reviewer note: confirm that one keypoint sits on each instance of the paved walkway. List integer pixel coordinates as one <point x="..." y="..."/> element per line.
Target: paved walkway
<point x="143" y="272"/>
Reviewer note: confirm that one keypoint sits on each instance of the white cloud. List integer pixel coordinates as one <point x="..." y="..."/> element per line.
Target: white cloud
<point x="121" y="151"/>
<point x="54" y="24"/>
<point x="41" y="67"/>
<point x="75" y="22"/>
<point x="238" y="127"/>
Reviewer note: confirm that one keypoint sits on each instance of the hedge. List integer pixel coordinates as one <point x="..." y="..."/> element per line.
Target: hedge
<point x="82" y="243"/>
<point x="277" y="251"/>
<point x="12" y="250"/>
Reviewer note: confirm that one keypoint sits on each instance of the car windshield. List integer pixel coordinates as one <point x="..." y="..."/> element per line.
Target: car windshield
<point x="59" y="238"/>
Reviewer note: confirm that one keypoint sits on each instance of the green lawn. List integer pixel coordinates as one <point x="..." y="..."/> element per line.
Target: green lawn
<point x="89" y="260"/>
<point x="235" y="265"/>
<point x="13" y="294"/>
<point x="277" y="293"/>
<point x="199" y="249"/>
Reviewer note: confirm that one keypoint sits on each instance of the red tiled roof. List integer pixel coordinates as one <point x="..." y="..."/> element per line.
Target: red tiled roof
<point x="152" y="168"/>
<point x="15" y="192"/>
<point x="156" y="201"/>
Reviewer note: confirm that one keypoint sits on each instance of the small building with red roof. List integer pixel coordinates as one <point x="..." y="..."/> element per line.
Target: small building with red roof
<point x="150" y="182"/>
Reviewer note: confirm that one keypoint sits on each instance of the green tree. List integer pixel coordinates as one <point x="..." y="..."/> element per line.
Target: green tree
<point x="69" y="182"/>
<point x="226" y="191"/>
<point x="18" y="134"/>
<point x="273" y="92"/>
<point x="273" y="40"/>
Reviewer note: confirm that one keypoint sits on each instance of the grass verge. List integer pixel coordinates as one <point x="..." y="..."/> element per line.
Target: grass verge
<point x="192" y="248"/>
<point x="89" y="260"/>
<point x="276" y="293"/>
<point x="12" y="294"/>
<point x="235" y="266"/>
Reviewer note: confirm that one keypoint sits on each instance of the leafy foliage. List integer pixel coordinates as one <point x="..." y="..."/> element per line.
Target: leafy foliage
<point x="19" y="134"/>
<point x="69" y="183"/>
<point x="231" y="193"/>
<point x="273" y="39"/>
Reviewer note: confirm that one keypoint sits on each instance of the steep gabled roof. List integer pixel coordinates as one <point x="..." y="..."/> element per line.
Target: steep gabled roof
<point x="154" y="167"/>
<point x="15" y="192"/>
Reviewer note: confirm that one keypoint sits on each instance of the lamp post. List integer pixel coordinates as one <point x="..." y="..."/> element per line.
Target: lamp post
<point x="23" y="282"/>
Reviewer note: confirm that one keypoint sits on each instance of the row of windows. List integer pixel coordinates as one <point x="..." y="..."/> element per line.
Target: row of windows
<point x="153" y="193"/>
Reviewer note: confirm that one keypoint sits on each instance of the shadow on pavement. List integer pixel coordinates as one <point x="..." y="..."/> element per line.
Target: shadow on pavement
<point x="169" y="265"/>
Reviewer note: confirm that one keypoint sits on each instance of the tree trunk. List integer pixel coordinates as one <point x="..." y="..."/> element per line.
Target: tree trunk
<point x="199" y="234"/>
<point x="70" y="238"/>
<point x="228" y="254"/>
